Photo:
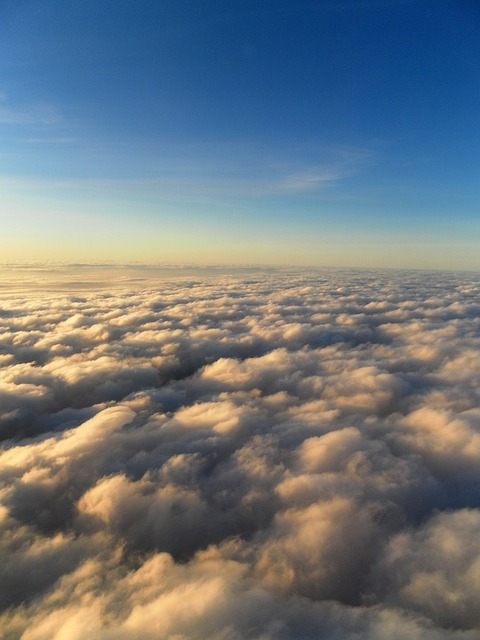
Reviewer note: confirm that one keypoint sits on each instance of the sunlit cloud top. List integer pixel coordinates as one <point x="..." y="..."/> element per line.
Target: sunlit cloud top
<point x="248" y="454"/>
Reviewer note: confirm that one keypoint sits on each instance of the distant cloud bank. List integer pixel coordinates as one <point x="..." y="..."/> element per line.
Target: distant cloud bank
<point x="270" y="456"/>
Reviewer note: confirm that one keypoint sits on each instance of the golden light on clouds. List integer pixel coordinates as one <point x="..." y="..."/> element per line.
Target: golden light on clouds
<point x="243" y="454"/>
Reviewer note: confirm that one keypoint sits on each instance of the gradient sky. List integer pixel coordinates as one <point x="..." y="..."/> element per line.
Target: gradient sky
<point x="343" y="132"/>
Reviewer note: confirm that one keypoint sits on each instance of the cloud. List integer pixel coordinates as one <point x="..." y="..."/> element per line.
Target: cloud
<point x="263" y="455"/>
<point x="37" y="115"/>
<point x="436" y="569"/>
<point x="243" y="173"/>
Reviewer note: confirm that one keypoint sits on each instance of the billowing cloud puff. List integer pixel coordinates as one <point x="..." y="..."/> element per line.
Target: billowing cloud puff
<point x="261" y="456"/>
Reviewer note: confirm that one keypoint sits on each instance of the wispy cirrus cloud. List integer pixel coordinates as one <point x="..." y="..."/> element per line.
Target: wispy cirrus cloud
<point x="37" y="114"/>
<point x="310" y="179"/>
<point x="51" y="140"/>
<point x="194" y="176"/>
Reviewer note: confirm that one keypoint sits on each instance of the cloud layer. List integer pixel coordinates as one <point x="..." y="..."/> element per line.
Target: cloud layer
<point x="271" y="456"/>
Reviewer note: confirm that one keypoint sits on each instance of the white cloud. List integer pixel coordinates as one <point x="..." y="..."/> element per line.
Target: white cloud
<point x="264" y="456"/>
<point x="40" y="114"/>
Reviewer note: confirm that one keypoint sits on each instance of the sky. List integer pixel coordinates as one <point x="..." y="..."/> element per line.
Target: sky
<point x="336" y="133"/>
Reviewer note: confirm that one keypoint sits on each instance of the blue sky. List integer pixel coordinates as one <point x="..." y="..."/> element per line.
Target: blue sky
<point x="343" y="132"/>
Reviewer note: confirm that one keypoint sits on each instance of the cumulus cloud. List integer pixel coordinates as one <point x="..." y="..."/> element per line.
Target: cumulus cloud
<point x="261" y="455"/>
